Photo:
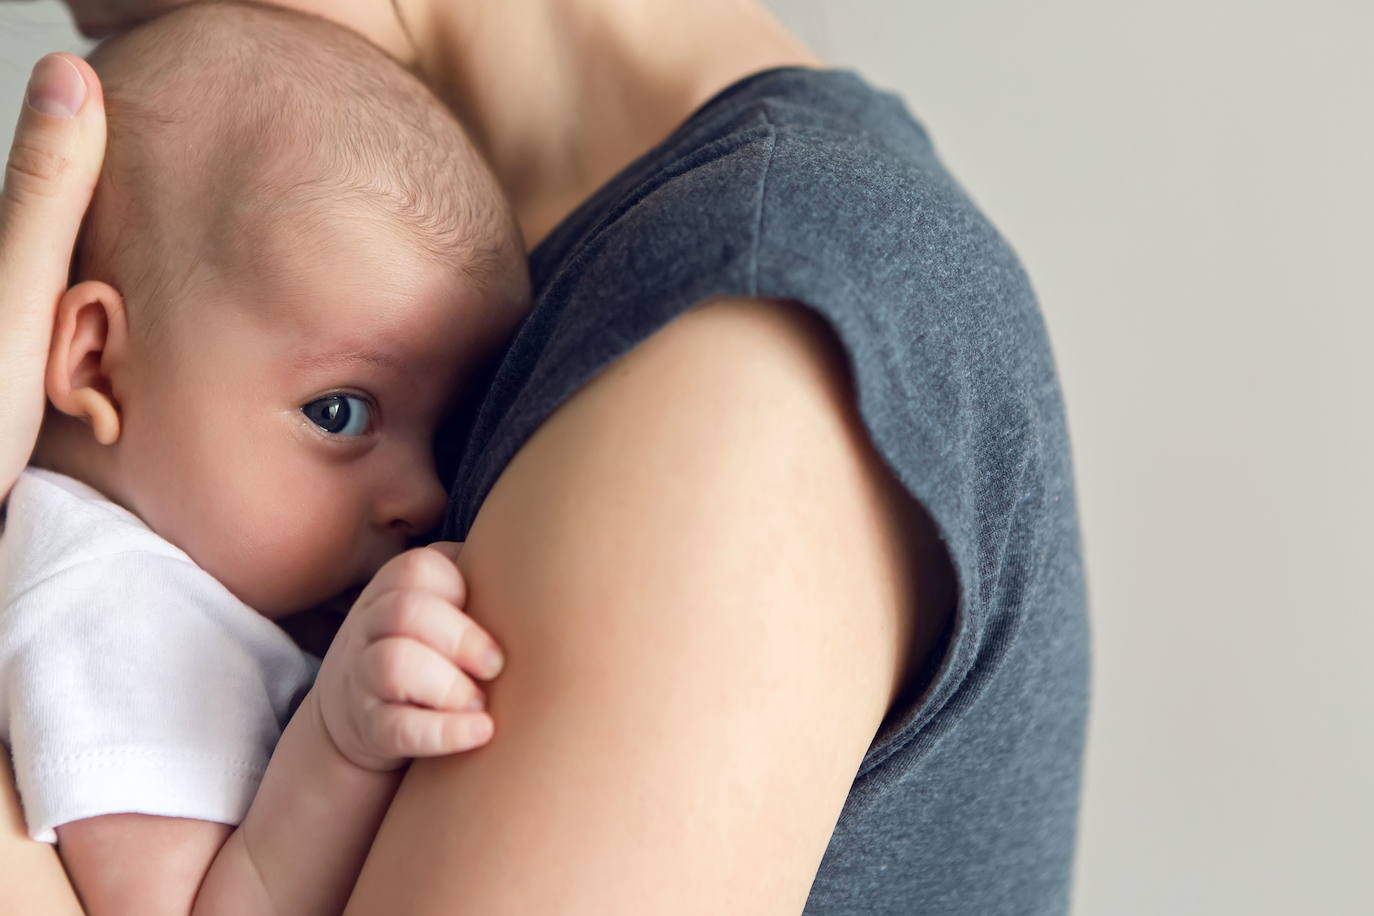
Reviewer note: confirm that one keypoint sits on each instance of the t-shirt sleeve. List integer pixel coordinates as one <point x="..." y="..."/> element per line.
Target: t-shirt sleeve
<point x="138" y="683"/>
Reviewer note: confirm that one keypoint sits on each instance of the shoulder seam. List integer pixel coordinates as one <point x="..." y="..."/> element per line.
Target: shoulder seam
<point x="58" y="573"/>
<point x="673" y="169"/>
<point x="759" y="206"/>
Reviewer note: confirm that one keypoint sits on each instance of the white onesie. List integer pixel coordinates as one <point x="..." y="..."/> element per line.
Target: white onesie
<point x="131" y="680"/>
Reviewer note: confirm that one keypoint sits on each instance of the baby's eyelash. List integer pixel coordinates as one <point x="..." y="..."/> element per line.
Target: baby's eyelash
<point x="335" y="415"/>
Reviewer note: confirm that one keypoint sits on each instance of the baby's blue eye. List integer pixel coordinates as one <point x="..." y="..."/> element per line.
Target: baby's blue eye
<point x="340" y="414"/>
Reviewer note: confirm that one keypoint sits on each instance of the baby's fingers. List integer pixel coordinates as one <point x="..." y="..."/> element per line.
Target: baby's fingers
<point x="407" y="731"/>
<point x="430" y="619"/>
<point x="400" y="670"/>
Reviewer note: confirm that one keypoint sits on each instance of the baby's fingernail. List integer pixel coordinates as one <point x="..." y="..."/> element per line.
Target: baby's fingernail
<point x="493" y="662"/>
<point x="56" y="87"/>
<point x="475" y="704"/>
<point x="480" y="729"/>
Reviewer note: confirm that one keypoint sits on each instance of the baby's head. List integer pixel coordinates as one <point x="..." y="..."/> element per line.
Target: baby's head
<point x="294" y="264"/>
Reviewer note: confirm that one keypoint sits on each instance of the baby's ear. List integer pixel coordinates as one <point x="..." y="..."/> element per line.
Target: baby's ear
<point x="89" y="340"/>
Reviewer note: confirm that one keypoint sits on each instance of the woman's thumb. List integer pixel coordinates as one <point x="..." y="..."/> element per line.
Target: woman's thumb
<point x="58" y="147"/>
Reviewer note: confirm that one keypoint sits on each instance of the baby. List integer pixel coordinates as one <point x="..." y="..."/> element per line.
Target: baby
<point x="294" y="266"/>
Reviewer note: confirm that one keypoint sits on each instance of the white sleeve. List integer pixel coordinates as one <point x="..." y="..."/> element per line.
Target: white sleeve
<point x="139" y="683"/>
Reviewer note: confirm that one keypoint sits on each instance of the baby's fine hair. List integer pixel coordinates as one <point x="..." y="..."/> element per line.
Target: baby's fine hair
<point x="225" y="114"/>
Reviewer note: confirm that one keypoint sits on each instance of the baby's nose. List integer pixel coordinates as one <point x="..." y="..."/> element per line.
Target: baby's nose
<point x="418" y="506"/>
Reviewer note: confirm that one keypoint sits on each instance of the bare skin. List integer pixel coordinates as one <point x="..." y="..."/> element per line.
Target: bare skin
<point x="559" y="94"/>
<point x="705" y="774"/>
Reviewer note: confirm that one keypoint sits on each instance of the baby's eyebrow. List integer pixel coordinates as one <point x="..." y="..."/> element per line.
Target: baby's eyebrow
<point x="381" y="359"/>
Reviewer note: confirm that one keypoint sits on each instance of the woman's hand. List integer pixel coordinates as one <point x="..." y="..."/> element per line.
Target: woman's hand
<point x="392" y="685"/>
<point x="52" y="170"/>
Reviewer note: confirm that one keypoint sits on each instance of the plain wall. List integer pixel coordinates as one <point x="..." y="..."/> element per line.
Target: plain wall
<point x="1189" y="186"/>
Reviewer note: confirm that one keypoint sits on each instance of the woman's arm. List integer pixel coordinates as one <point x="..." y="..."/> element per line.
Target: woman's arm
<point x="50" y="175"/>
<point x="30" y="872"/>
<point x="704" y="579"/>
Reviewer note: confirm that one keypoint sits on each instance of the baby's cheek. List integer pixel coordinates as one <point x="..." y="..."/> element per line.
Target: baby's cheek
<point x="265" y="528"/>
<point x="296" y="548"/>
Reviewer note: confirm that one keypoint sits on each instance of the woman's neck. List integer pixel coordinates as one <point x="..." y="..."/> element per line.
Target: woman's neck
<point x="561" y="95"/>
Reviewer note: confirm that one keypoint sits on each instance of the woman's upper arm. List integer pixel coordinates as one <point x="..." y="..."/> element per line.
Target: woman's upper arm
<point x="30" y="872"/>
<point x="701" y="576"/>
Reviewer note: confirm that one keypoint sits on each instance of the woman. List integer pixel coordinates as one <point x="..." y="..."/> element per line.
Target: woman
<point x="782" y="428"/>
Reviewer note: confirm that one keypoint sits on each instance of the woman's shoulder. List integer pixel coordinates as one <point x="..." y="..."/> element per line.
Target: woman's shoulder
<point x="793" y="184"/>
<point x="776" y="125"/>
<point x="792" y="170"/>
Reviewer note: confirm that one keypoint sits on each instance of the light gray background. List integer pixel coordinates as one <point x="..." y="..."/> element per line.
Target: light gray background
<point x="1189" y="185"/>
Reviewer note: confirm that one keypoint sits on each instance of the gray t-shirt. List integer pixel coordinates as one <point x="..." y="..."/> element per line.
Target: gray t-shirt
<point x="811" y="185"/>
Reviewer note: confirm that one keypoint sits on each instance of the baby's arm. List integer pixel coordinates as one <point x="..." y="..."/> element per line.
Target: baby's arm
<point x="303" y="842"/>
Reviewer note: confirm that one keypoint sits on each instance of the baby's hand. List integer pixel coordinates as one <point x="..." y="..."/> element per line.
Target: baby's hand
<point x="390" y="687"/>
